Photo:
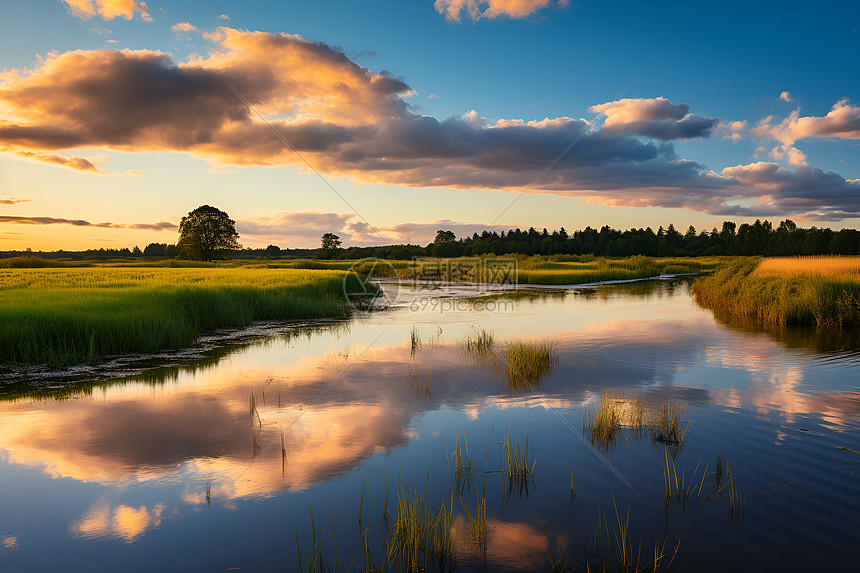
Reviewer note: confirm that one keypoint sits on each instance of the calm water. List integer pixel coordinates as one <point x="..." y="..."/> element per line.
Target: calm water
<point x="183" y="468"/>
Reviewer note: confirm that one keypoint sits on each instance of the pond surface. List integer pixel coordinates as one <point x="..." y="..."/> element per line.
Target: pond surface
<point x="184" y="468"/>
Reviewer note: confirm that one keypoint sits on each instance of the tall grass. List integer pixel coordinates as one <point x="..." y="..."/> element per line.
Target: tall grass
<point x="628" y="418"/>
<point x="77" y="315"/>
<point x="612" y="549"/>
<point x="423" y="533"/>
<point x="527" y="363"/>
<point x="480" y="345"/>
<point x="818" y="291"/>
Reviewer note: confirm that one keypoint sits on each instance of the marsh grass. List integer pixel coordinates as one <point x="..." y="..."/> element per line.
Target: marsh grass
<point x="422" y="535"/>
<point x="527" y="363"/>
<point x="613" y="415"/>
<point x="611" y="549"/>
<point x="516" y="467"/>
<point x="725" y="488"/>
<point x="617" y="417"/>
<point x="480" y="345"/>
<point x="819" y="291"/>
<point x="681" y="486"/>
<point x="64" y="316"/>
<point x="667" y="428"/>
<point x="314" y="561"/>
<point x="478" y="530"/>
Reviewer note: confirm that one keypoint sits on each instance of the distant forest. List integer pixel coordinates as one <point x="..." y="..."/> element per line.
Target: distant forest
<point x="759" y="238"/>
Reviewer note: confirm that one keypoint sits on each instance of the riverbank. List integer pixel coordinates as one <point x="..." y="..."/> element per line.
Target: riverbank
<point x="65" y="316"/>
<point x="818" y="291"/>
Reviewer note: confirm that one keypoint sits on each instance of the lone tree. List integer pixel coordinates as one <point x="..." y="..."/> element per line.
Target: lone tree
<point x="330" y="242"/>
<point x="205" y="232"/>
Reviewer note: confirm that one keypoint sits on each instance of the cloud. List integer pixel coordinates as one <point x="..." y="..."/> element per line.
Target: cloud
<point x="126" y="523"/>
<point x="78" y="163"/>
<point x="346" y="120"/>
<point x="842" y="121"/>
<point x="810" y="192"/>
<point x="161" y="226"/>
<point x="417" y="233"/>
<point x="12" y="201"/>
<point x="73" y="162"/>
<point x="785" y="96"/>
<point x="183" y="27"/>
<point x="286" y="226"/>
<point x="656" y="117"/>
<point x="223" y="17"/>
<point x="305" y="229"/>
<point x="491" y="9"/>
<point x="108" y="9"/>
<point x="731" y="130"/>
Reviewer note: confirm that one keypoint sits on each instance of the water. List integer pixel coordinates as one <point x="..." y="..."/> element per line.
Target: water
<point x="183" y="467"/>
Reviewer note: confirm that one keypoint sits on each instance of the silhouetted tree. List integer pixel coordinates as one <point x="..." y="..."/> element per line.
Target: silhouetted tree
<point x="330" y="242"/>
<point x="205" y="232"/>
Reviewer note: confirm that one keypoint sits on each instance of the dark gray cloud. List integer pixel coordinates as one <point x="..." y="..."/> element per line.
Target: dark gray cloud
<point x="347" y="120"/>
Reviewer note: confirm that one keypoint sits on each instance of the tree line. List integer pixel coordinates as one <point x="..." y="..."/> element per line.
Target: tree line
<point x="758" y="238"/>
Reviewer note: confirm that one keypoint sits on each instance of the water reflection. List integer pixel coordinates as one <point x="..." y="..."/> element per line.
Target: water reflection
<point x="124" y="522"/>
<point x="283" y="415"/>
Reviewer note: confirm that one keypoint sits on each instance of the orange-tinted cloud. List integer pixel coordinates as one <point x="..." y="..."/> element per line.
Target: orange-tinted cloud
<point x="124" y="522"/>
<point x="12" y="201"/>
<point x="491" y="9"/>
<point x="183" y="27"/>
<point x="73" y="162"/>
<point x="347" y="120"/>
<point x="109" y="9"/>
<point x="24" y="220"/>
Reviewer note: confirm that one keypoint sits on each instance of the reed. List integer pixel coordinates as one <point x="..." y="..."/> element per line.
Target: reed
<point x="815" y="291"/>
<point x="314" y="562"/>
<point x="422" y="534"/>
<point x="614" y="550"/>
<point x="415" y="341"/>
<point x="478" y="529"/>
<point x="725" y="487"/>
<point x="527" y="363"/>
<point x="64" y="316"/>
<point x="516" y="467"/>
<point x="666" y="427"/>
<point x="480" y="345"/>
<point x="680" y="486"/>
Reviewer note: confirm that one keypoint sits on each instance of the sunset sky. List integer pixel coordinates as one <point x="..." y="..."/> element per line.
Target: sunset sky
<point x="118" y="117"/>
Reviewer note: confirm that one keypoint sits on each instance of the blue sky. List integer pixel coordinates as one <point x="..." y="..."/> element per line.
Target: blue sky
<point x="698" y="156"/>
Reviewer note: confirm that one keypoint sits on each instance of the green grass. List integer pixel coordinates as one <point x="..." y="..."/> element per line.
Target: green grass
<point x="553" y="270"/>
<point x="480" y="345"/>
<point x="612" y="549"/>
<point x="779" y="300"/>
<point x="64" y="316"/>
<point x="527" y="363"/>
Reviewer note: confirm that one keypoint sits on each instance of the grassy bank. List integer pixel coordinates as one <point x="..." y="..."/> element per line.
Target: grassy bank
<point x="553" y="270"/>
<point x="819" y="291"/>
<point x="63" y="316"/>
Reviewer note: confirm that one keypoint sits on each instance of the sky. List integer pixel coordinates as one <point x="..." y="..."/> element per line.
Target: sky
<point x="385" y="121"/>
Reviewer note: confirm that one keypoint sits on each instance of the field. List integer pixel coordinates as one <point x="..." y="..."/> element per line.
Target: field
<point x="819" y="291"/>
<point x="64" y="313"/>
<point x="63" y="316"/>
